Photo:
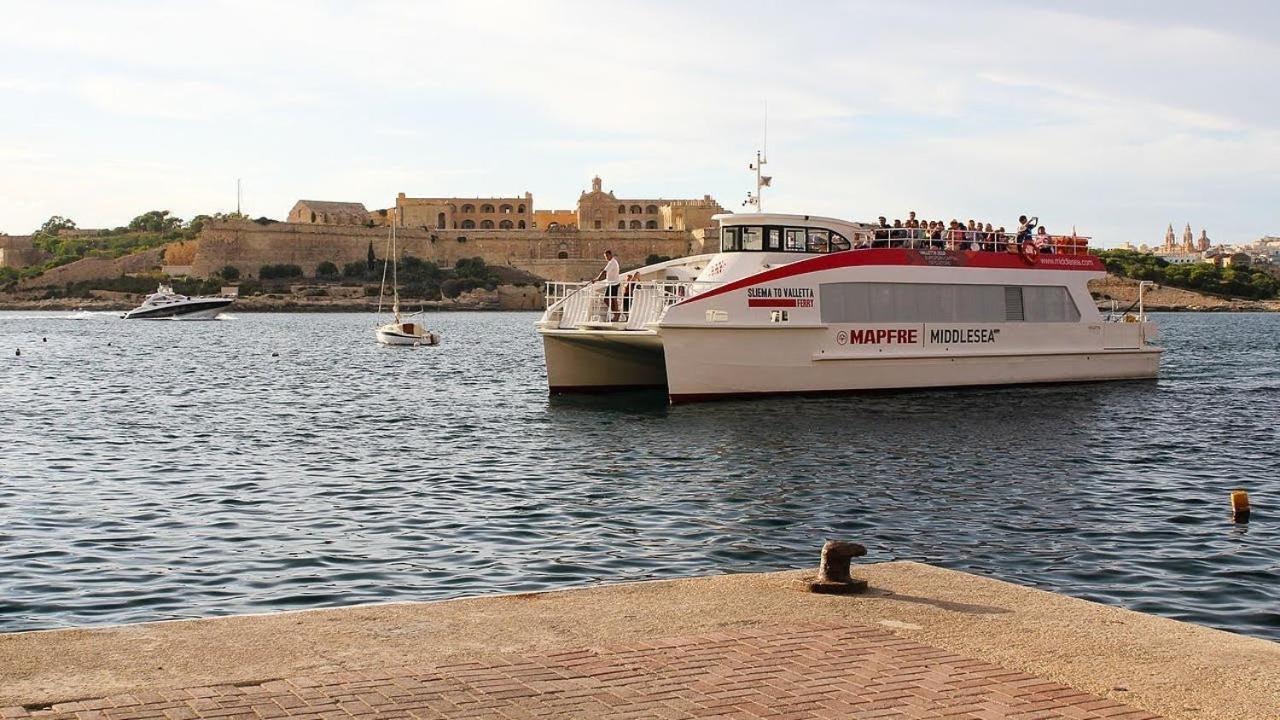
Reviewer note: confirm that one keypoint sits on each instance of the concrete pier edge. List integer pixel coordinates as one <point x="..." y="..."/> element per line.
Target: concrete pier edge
<point x="1165" y="667"/>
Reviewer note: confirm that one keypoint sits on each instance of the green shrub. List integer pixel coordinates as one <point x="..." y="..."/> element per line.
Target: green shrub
<point x="229" y="273"/>
<point x="281" y="271"/>
<point x="326" y="269"/>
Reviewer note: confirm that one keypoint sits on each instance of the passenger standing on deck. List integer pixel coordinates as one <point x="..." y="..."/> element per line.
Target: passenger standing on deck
<point x="610" y="275"/>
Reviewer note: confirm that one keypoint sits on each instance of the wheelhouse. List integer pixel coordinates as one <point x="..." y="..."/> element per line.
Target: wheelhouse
<point x="788" y="234"/>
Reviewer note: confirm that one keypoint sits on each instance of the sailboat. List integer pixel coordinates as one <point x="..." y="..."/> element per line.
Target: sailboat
<point x="399" y="331"/>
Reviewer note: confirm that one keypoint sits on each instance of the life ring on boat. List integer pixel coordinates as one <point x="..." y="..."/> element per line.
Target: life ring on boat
<point x="1028" y="251"/>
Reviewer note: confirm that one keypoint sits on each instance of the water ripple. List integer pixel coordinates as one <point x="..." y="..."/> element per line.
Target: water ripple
<point x="165" y="470"/>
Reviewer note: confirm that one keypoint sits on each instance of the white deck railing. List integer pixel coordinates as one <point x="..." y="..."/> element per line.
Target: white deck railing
<point x="633" y="307"/>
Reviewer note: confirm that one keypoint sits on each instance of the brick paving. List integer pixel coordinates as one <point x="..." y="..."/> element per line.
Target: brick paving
<point x="813" y="672"/>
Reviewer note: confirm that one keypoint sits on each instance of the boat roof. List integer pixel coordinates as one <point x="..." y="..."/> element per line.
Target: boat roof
<point x="780" y="219"/>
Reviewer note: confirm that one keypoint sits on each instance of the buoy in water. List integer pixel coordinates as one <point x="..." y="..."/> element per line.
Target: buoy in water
<point x="275" y="354"/>
<point x="44" y="339"/>
<point x="17" y="352"/>
<point x="1240" y="506"/>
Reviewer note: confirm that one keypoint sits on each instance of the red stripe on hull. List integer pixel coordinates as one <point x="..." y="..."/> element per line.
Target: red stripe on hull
<point x="771" y="302"/>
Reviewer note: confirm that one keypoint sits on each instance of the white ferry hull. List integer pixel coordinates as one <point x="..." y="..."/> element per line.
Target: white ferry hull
<point x="746" y="363"/>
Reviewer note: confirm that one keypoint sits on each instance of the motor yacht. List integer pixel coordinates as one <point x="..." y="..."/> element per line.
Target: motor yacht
<point x="165" y="304"/>
<point x="815" y="305"/>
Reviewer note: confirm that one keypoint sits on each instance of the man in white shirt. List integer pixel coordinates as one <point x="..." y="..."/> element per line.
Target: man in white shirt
<point x="610" y="275"/>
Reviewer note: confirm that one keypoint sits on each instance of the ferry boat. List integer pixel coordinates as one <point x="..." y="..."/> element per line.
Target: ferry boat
<point x="813" y="305"/>
<point x="165" y="304"/>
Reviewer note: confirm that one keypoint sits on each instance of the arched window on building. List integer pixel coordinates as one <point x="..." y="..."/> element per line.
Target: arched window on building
<point x="598" y="224"/>
<point x="520" y="224"/>
<point x="486" y="208"/>
<point x="562" y="255"/>
<point x="486" y="224"/>
<point x="506" y="225"/>
<point x="651" y="209"/>
<point x="635" y="224"/>
<point x="622" y="209"/>
<point x="550" y="226"/>
<point x="468" y="208"/>
<point x="635" y="209"/>
<point x="453" y="208"/>
<point x="468" y="224"/>
<point x="520" y="208"/>
<point x="622" y="224"/>
<point x="313" y="216"/>
<point x="440" y="221"/>
<point x="651" y="225"/>
<point x="506" y="209"/>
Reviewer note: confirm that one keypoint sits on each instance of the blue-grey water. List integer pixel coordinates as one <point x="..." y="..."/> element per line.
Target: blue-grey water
<point x="166" y="470"/>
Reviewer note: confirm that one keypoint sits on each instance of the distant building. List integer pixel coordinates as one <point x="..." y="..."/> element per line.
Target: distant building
<point x="488" y="213"/>
<point x="19" y="251"/>
<point x="1188" y="251"/>
<point x="601" y="210"/>
<point x="324" y="212"/>
<point x="555" y="219"/>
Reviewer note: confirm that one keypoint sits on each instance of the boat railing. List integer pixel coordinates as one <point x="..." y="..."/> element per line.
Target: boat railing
<point x="922" y="239"/>
<point x="632" y="305"/>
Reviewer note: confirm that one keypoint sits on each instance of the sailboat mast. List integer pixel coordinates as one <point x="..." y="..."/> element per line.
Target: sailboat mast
<point x="395" y="265"/>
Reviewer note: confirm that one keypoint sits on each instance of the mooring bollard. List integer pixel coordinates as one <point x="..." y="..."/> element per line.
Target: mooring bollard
<point x="833" y="569"/>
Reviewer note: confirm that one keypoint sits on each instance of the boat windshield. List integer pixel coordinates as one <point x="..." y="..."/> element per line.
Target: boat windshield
<point x="779" y="238"/>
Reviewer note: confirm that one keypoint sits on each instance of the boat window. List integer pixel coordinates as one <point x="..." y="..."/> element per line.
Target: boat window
<point x="839" y="242"/>
<point x="751" y="239"/>
<point x="773" y="239"/>
<point x="795" y="239"/>
<point x="818" y="240"/>
<point x="729" y="239"/>
<point x="1048" y="304"/>
<point x="944" y="303"/>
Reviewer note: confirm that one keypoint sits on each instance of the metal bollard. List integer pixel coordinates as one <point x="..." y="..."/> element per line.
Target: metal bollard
<point x="833" y="569"/>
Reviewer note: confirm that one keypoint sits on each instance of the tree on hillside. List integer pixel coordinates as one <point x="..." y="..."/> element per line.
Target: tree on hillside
<point x="372" y="258"/>
<point x="230" y="273"/>
<point x="155" y="221"/>
<point x="56" y="224"/>
<point x="326" y="269"/>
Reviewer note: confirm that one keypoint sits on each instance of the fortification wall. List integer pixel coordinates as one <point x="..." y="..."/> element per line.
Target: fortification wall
<point x="248" y="246"/>
<point x="19" y="251"/>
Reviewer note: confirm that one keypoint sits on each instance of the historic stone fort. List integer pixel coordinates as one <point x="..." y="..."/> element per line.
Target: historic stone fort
<point x="554" y="244"/>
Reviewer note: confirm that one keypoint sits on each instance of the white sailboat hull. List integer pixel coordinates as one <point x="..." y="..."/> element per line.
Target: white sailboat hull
<point x="399" y="334"/>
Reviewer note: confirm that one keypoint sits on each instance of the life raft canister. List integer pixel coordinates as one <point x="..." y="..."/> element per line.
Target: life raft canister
<point x="1029" y="252"/>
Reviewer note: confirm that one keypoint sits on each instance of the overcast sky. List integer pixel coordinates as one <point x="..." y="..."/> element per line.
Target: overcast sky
<point x="1116" y="117"/>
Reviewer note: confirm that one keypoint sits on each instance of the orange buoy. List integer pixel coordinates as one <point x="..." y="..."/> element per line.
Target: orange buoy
<point x="1240" y="506"/>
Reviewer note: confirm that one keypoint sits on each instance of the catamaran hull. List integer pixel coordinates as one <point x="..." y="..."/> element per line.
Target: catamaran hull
<point x="603" y="362"/>
<point x="702" y="365"/>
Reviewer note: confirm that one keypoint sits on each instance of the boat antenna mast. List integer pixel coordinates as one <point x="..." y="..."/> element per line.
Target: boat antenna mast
<point x="762" y="181"/>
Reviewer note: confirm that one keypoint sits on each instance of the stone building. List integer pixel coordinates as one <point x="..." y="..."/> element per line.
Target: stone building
<point x="324" y="212"/>
<point x="19" y="251"/>
<point x="555" y="219"/>
<point x="600" y="210"/>
<point x="1189" y="250"/>
<point x="491" y="213"/>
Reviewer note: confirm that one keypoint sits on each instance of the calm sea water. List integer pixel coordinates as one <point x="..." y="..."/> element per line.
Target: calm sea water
<point x="167" y="470"/>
